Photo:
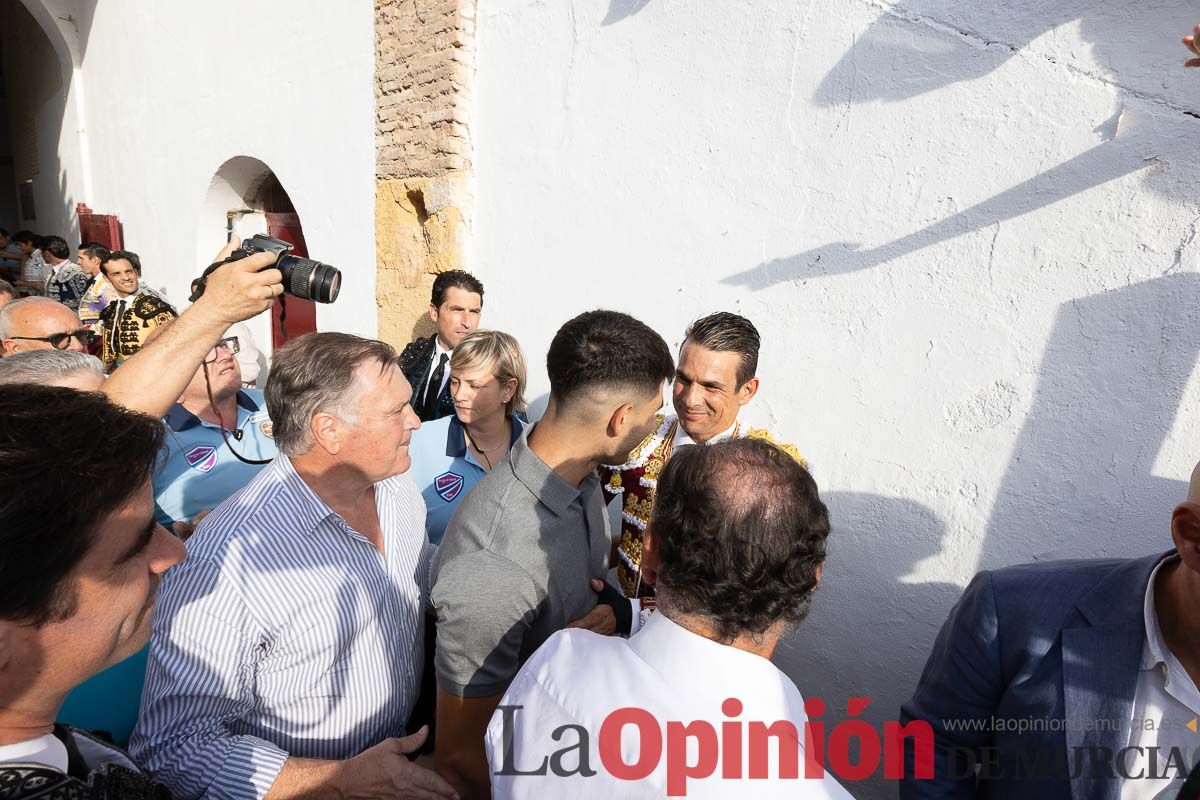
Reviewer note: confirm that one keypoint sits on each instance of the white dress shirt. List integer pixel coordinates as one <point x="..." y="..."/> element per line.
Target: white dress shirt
<point x="284" y="632"/>
<point x="438" y="351"/>
<point x="35" y="268"/>
<point x="1165" y="702"/>
<point x="49" y="752"/>
<point x="677" y="676"/>
<point x="681" y="437"/>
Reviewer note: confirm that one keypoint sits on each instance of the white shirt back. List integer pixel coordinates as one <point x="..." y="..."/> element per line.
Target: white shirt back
<point x="578" y="678"/>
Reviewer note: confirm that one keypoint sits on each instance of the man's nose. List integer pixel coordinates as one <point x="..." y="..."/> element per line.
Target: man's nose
<point x="75" y="346"/>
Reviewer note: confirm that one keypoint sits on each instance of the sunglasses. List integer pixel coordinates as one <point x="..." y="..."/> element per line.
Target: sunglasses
<point x="230" y="343"/>
<point x="61" y="341"/>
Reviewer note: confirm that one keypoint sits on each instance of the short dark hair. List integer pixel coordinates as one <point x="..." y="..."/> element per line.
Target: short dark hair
<point x="740" y="531"/>
<point x="56" y="246"/>
<point x="3" y="231"/>
<point x="724" y="332"/>
<point x="607" y="350"/>
<point x="24" y="236"/>
<point x="455" y="278"/>
<point x="312" y="373"/>
<point x="7" y="288"/>
<point x="125" y="255"/>
<point x="70" y="481"/>
<point x="94" y="250"/>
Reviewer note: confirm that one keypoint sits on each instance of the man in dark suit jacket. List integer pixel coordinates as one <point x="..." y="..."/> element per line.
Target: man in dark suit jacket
<point x="1068" y="680"/>
<point x="455" y="306"/>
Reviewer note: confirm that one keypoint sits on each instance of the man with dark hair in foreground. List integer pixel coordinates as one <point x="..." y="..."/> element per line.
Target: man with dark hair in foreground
<point x="735" y="549"/>
<point x="521" y="550"/>
<point x="77" y="580"/>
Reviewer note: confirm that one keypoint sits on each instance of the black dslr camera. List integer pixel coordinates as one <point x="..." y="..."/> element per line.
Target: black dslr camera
<point x="302" y="277"/>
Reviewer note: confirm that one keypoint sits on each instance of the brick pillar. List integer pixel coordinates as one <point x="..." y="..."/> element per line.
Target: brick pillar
<point x="424" y="66"/>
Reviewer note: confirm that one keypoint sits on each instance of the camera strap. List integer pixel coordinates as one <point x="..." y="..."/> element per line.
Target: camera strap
<point x="225" y="430"/>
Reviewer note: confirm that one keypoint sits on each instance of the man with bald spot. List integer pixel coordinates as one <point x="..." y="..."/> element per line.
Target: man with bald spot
<point x="38" y="323"/>
<point x="1100" y="659"/>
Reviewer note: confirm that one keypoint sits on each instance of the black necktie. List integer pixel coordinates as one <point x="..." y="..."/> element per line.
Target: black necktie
<point x="435" y="384"/>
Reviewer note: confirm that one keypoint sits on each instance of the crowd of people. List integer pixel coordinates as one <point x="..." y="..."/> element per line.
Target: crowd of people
<point x="377" y="577"/>
<point x="396" y="585"/>
<point x="114" y="310"/>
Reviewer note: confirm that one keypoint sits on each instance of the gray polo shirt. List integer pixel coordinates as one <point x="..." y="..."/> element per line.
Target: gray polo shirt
<point x="513" y="568"/>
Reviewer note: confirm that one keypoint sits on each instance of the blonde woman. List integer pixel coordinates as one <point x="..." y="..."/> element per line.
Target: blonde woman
<point x="450" y="455"/>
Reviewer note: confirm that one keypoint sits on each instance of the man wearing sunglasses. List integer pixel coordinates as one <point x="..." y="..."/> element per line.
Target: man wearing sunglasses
<point x="214" y="422"/>
<point x="39" y="323"/>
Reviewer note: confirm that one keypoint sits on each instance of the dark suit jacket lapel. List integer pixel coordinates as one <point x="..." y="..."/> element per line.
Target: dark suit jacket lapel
<point x="1101" y="661"/>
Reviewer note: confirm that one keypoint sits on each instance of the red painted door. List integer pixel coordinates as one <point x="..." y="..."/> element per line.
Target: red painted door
<point x="103" y="229"/>
<point x="301" y="316"/>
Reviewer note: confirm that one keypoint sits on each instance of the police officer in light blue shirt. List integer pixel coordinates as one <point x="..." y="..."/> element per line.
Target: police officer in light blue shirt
<point x="452" y="454"/>
<point x="200" y="470"/>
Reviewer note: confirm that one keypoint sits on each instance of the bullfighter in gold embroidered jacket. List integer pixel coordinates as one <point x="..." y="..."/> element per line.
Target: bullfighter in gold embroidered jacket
<point x="716" y="377"/>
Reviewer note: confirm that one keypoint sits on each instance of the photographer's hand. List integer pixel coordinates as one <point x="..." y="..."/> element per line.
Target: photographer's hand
<point x="152" y="380"/>
<point x="1192" y="43"/>
<point x="241" y="289"/>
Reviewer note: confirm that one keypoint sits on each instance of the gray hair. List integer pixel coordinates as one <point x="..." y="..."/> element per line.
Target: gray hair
<point x="10" y="310"/>
<point x="8" y="289"/>
<point x="45" y="367"/>
<point x="314" y="373"/>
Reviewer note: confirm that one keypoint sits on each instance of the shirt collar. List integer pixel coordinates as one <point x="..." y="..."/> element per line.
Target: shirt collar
<point x="438" y="349"/>
<point x="1155" y="651"/>
<point x="180" y="419"/>
<point x="550" y="490"/>
<point x="677" y="653"/>
<point x="456" y="441"/>
<point x="681" y="437"/>
<point x="44" y="750"/>
<point x="306" y="508"/>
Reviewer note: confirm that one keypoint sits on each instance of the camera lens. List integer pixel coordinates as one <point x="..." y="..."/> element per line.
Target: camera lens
<point x="311" y="280"/>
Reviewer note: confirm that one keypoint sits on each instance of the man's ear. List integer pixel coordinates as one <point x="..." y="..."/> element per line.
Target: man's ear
<point x="8" y="347"/>
<point x="1185" y="532"/>
<point x="618" y="421"/>
<point x="326" y="432"/>
<point x="432" y="312"/>
<point x="747" y="390"/>
<point x="649" y="558"/>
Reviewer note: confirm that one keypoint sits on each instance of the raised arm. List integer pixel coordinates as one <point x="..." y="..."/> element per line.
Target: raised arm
<point x="152" y="380"/>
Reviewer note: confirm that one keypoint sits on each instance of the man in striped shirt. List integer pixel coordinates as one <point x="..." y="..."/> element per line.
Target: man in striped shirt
<point x="287" y="649"/>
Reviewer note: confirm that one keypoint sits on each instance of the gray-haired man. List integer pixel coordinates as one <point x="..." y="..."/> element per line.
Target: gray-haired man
<point x="287" y="649"/>
<point x="53" y="368"/>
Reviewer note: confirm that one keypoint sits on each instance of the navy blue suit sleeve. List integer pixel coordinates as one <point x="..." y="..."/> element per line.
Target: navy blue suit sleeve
<point x="957" y="695"/>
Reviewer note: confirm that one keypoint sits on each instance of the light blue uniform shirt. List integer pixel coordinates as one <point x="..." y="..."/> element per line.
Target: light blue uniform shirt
<point x="198" y="471"/>
<point x="444" y="469"/>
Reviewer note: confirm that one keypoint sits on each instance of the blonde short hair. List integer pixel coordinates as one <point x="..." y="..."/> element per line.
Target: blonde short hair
<point x="499" y="353"/>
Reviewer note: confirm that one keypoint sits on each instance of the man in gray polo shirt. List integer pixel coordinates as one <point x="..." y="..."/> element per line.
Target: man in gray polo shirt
<point x="520" y="552"/>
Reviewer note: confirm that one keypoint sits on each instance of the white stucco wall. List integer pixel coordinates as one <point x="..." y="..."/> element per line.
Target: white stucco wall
<point x="172" y="94"/>
<point x="965" y="230"/>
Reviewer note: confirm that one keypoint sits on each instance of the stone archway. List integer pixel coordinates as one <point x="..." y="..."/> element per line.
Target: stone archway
<point x="245" y="197"/>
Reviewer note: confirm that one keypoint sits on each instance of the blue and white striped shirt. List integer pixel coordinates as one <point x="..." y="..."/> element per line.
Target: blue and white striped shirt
<point x="284" y="632"/>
